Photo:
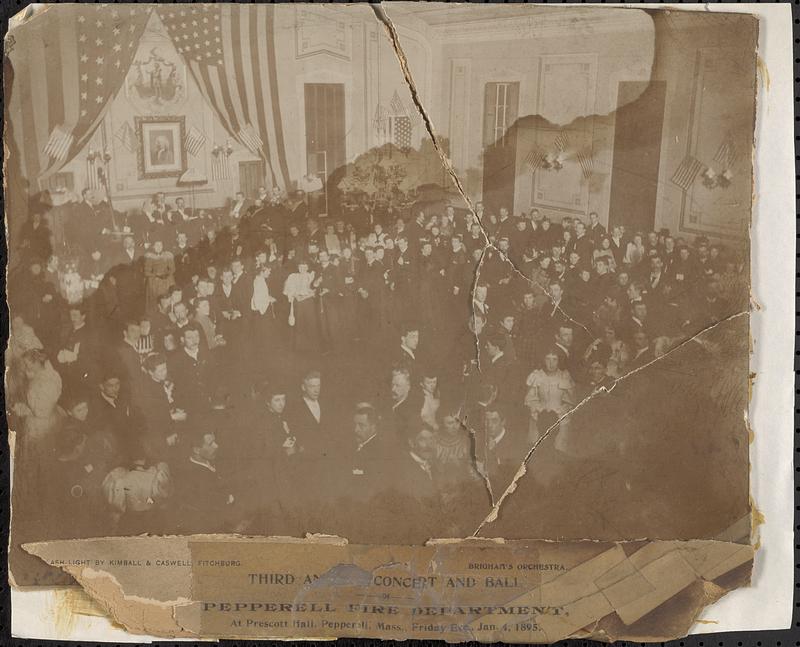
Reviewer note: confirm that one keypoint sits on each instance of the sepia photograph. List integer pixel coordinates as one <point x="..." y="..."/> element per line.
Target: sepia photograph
<point x="396" y="320"/>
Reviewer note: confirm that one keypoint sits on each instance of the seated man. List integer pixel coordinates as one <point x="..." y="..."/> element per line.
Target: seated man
<point x="110" y="412"/>
<point x="180" y="214"/>
<point x="191" y="371"/>
<point x="499" y="452"/>
<point x="365" y="463"/>
<point x="202" y="501"/>
<point x="78" y="358"/>
<point x="157" y="407"/>
<point x="415" y="473"/>
<point x="404" y="413"/>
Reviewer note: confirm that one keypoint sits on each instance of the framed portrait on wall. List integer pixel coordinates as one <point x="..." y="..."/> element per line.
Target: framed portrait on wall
<point x="161" y="152"/>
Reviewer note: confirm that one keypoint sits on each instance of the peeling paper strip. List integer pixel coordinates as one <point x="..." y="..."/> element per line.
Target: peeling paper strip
<point x="451" y="590"/>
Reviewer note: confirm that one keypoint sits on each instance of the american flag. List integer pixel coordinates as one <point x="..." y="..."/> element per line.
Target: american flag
<point x="220" y="167"/>
<point x="397" y="105"/>
<point x="535" y="159"/>
<point x="68" y="63"/>
<point x="230" y="50"/>
<point x="250" y="138"/>
<point x="92" y="178"/>
<point x="586" y="160"/>
<point x="401" y="132"/>
<point x="195" y="139"/>
<point x="125" y="134"/>
<point x="561" y="141"/>
<point x="726" y="153"/>
<point x="687" y="172"/>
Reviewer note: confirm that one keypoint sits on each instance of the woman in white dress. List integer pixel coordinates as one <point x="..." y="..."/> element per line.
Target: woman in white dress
<point x="302" y="311"/>
<point x="635" y="250"/>
<point x="38" y="412"/>
<point x="551" y="394"/>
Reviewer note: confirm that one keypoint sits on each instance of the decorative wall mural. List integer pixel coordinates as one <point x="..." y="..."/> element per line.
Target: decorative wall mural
<point x="156" y="81"/>
<point x="565" y="154"/>
<point x="717" y="200"/>
<point x="320" y="30"/>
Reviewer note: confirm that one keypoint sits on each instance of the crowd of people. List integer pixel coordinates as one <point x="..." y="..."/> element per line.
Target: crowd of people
<point x="259" y="370"/>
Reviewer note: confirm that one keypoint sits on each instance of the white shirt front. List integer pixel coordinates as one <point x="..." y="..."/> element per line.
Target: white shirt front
<point x="313" y="407"/>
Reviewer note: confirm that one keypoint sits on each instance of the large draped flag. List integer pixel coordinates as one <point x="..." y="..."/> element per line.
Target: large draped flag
<point x="67" y="65"/>
<point x="230" y="50"/>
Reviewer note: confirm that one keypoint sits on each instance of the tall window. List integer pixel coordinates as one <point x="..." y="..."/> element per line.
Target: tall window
<point x="325" y="142"/>
<point x="501" y="105"/>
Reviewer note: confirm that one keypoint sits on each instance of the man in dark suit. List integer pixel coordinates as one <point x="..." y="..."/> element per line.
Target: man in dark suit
<point x="128" y="276"/>
<point x="367" y="459"/>
<point x="407" y="354"/>
<point x="414" y="469"/>
<point x="642" y="352"/>
<point x="371" y="290"/>
<point x="185" y="260"/>
<point x="618" y="245"/>
<point x="239" y="207"/>
<point x="110" y="412"/>
<point x="596" y="230"/>
<point x="127" y="358"/>
<point x="77" y="357"/>
<point x="202" y="501"/>
<point x="404" y="275"/>
<point x="83" y="226"/>
<point x="499" y="452"/>
<point x="638" y="321"/>
<point x="403" y="415"/>
<point x="498" y="371"/>
<point x="181" y="214"/>
<point x="584" y="244"/>
<point x="308" y="422"/>
<point x="190" y="370"/>
<point x="156" y="406"/>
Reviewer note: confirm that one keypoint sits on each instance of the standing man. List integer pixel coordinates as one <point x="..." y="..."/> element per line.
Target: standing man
<point x="307" y="420"/>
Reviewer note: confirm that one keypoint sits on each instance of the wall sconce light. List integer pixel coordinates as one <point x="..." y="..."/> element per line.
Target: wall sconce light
<point x="553" y="162"/>
<point x="219" y="149"/>
<point x="714" y="180"/>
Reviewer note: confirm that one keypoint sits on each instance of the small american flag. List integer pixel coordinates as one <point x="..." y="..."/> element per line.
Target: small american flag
<point x="397" y="105"/>
<point x="195" y="140"/>
<point x="561" y="141"/>
<point x="586" y="160"/>
<point x="401" y="131"/>
<point x="727" y="154"/>
<point x="687" y="172"/>
<point x="220" y="167"/>
<point x="92" y="178"/>
<point x="125" y="135"/>
<point x="59" y="143"/>
<point x="249" y="137"/>
<point x="535" y="159"/>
